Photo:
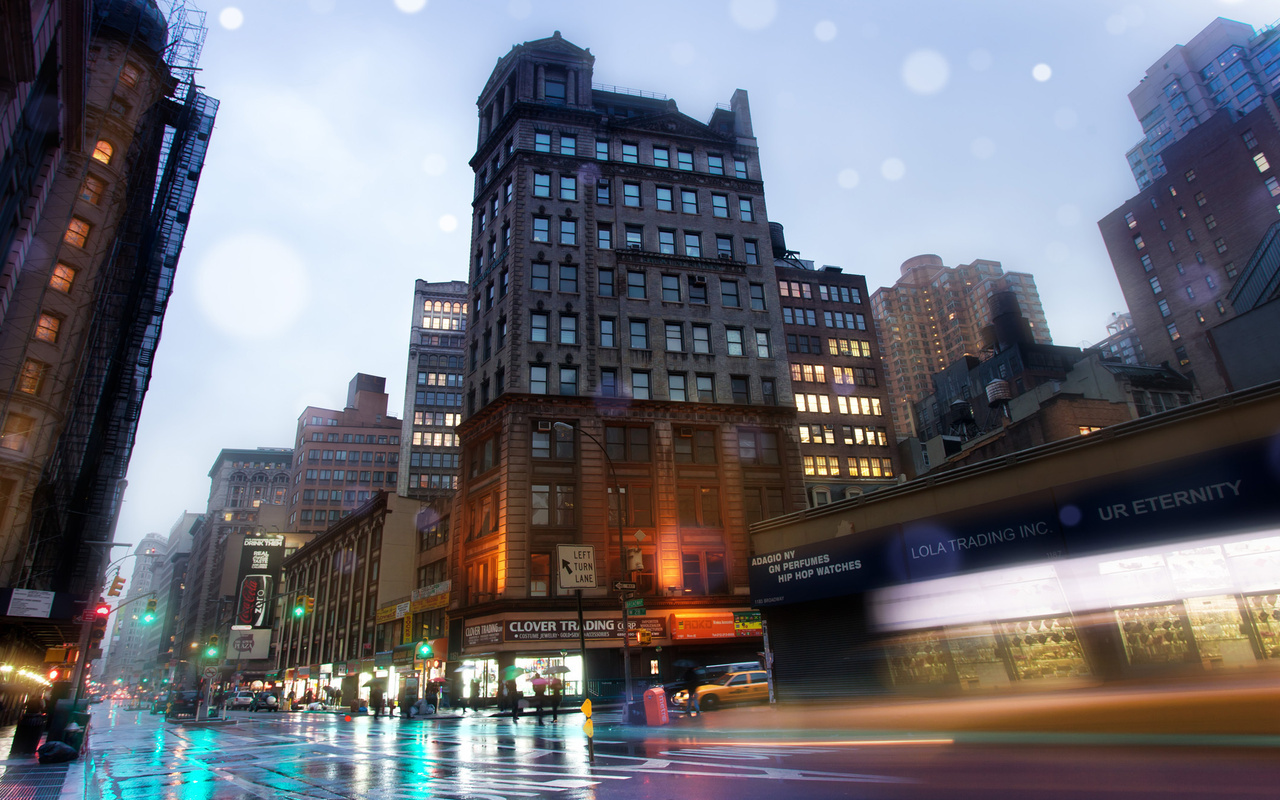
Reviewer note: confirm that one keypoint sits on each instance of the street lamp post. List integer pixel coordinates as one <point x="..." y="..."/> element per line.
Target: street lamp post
<point x="622" y="567"/>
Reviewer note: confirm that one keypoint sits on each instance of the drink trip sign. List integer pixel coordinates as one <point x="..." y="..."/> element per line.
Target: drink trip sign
<point x="261" y="558"/>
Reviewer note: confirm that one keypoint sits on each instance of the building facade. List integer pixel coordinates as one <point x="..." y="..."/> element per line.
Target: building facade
<point x="343" y="457"/>
<point x="625" y="388"/>
<point x="1178" y="247"/>
<point x="1226" y="66"/>
<point x="847" y="441"/>
<point x="130" y="658"/>
<point x="934" y="315"/>
<point x="1122" y="342"/>
<point x="170" y="585"/>
<point x="95" y="203"/>
<point x="429" y="452"/>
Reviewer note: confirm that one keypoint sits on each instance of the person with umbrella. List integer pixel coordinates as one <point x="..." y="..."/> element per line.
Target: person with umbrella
<point x="475" y="696"/>
<point x="539" y="685"/>
<point x="513" y="697"/>
<point x="557" y="691"/>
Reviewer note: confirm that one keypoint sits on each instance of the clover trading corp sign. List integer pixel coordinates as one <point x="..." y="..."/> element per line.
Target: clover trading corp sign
<point x="577" y="566"/>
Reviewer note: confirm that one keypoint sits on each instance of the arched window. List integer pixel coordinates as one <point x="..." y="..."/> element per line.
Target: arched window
<point x="103" y="151"/>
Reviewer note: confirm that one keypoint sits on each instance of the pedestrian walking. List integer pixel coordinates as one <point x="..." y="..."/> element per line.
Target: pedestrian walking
<point x="539" y="684"/>
<point x="475" y="696"/>
<point x="513" y="697"/>
<point x="691" y="684"/>
<point x="557" y="692"/>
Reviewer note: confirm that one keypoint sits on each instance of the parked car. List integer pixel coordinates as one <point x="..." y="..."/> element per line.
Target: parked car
<point x="265" y="701"/>
<point x="158" y="702"/>
<point x="731" y="688"/>
<point x="240" y="700"/>
<point x="183" y="704"/>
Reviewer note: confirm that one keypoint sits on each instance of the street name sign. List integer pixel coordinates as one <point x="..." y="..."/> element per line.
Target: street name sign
<point x="635" y="602"/>
<point x="577" y="563"/>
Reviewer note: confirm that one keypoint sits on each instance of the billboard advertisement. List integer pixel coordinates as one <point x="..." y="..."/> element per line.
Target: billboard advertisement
<point x="260" y="561"/>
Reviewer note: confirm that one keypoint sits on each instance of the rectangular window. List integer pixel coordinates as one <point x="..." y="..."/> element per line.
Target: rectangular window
<point x="635" y="285"/>
<point x="715" y="164"/>
<point x="739" y="168"/>
<point x="542" y="229"/>
<point x="77" y="232"/>
<point x="1138" y="243"/>
<point x="1273" y="186"/>
<point x="608" y="332"/>
<point x="568" y="381"/>
<point x="724" y="247"/>
<point x="1163" y="305"/>
<point x="608" y="382"/>
<point x="63" y="277"/>
<point x="568" y="145"/>
<point x="568" y="278"/>
<point x="568" y="187"/>
<point x="661" y="157"/>
<point x="639" y="334"/>
<point x="757" y="296"/>
<point x="684" y="160"/>
<point x="1261" y="161"/>
<point x="47" y="328"/>
<point x="540" y="276"/>
<point x="701" y="338"/>
<point x="604" y="282"/>
<point x="31" y="380"/>
<point x="738" y="387"/>
<point x="630" y="153"/>
<point x="720" y="206"/>
<point x="602" y="192"/>
<point x="640" y="384"/>
<point x="541" y="187"/>
<point x="602" y="150"/>
<point x="667" y="242"/>
<point x="676" y="387"/>
<point x="1146" y="263"/>
<point x="538" y="327"/>
<point x="1210" y="223"/>
<point x="1172" y="329"/>
<point x="671" y="288"/>
<point x="706" y="385"/>
<point x="1220" y="244"/>
<point x="674" y="337"/>
<point x="17" y="431"/>
<point x="568" y="231"/>
<point x="693" y="245"/>
<point x="604" y="237"/>
<point x="568" y="329"/>
<point x="537" y="379"/>
<point x="1201" y="199"/>
<point x="733" y="341"/>
<point x="750" y="252"/>
<point x="744" y="209"/>
<point x="91" y="190"/>
<point x="729" y="294"/>
<point x="698" y="289"/>
<point x="635" y="237"/>
<point x="542" y="142"/>
<point x="664" y="198"/>
<point x="689" y="201"/>
<point x="1154" y="280"/>
<point x="631" y="195"/>
<point x="762" y="344"/>
<point x="539" y="574"/>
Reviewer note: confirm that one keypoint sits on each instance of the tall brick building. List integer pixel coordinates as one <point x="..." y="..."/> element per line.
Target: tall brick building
<point x="623" y="304"/>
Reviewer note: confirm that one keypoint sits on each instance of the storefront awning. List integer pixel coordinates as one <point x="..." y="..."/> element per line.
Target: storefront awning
<point x="403" y="654"/>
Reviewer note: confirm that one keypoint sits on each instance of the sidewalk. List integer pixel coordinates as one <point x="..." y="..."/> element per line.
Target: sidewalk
<point x="1248" y="707"/>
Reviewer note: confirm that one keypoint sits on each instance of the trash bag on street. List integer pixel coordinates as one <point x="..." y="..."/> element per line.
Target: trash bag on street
<point x="56" y="753"/>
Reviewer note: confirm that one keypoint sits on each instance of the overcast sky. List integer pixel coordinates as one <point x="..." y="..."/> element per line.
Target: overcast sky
<point x="337" y="173"/>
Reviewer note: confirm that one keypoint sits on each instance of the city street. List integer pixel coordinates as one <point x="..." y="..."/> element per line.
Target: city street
<point x="137" y="756"/>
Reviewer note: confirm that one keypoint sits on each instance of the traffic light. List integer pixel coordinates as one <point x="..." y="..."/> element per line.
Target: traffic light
<point x="54" y="673"/>
<point x="98" y="625"/>
<point x="149" y="614"/>
<point x="117" y="584"/>
<point x="424" y="649"/>
<point x="308" y="603"/>
<point x="301" y="608"/>
<point x="212" y="649"/>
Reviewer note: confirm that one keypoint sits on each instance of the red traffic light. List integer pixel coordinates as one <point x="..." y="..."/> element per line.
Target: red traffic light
<point x="102" y="609"/>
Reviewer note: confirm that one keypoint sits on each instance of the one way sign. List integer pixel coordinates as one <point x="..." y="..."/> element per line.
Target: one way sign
<point x="577" y="566"/>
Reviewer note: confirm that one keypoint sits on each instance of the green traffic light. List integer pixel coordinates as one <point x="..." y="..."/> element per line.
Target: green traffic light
<point x="212" y="652"/>
<point x="424" y="650"/>
<point x="147" y="619"/>
<point x="299" y="611"/>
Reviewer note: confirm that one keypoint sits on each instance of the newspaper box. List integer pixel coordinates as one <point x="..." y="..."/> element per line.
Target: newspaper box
<point x="655" y="706"/>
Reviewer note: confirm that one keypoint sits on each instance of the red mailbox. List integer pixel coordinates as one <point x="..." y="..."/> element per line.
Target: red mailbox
<point x="655" y="706"/>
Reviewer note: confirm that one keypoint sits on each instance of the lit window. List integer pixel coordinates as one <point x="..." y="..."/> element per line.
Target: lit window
<point x="1261" y="160"/>
<point x="1138" y="243"/>
<point x="47" y="328"/>
<point x="62" y="278"/>
<point x="1131" y="220"/>
<point x="77" y="232"/>
<point x="16" y="432"/>
<point x="31" y="381"/>
<point x="102" y="151"/>
<point x="1172" y="328"/>
<point x="129" y="75"/>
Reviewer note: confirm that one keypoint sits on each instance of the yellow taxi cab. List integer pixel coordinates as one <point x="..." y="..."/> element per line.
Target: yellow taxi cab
<point x="750" y="686"/>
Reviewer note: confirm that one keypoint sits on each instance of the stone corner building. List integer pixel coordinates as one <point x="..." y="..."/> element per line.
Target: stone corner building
<point x="621" y="282"/>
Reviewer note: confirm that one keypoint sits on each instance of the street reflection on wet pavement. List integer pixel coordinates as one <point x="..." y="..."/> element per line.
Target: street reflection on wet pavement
<point x="137" y="756"/>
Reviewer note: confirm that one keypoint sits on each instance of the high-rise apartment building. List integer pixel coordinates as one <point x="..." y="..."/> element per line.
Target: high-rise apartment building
<point x="131" y="657"/>
<point x="1225" y="66"/>
<point x="1179" y="246"/>
<point x="847" y="443"/>
<point x="343" y="457"/>
<point x="626" y="387"/>
<point x="934" y="315"/>
<point x="104" y="137"/>
<point x="429" y="453"/>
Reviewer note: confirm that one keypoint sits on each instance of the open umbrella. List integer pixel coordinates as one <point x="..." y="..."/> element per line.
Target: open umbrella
<point x="512" y="672"/>
<point x="558" y="669"/>
<point x="539" y="682"/>
<point x="438" y="680"/>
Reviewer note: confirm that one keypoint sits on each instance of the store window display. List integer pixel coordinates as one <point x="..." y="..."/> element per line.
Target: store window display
<point x="1045" y="648"/>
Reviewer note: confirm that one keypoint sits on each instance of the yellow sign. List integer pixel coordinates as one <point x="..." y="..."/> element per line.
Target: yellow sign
<point x="589" y="729"/>
<point x="586" y="707"/>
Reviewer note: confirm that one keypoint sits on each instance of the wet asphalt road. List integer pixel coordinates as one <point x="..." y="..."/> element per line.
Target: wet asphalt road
<point x="137" y="756"/>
